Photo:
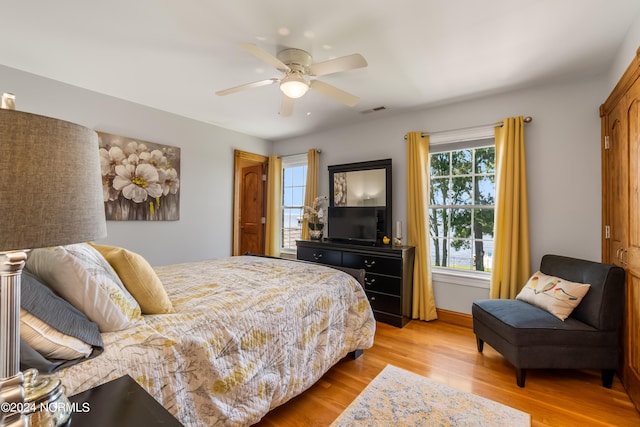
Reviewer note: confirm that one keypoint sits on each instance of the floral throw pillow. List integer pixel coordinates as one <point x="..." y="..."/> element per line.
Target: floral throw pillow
<point x="553" y="294"/>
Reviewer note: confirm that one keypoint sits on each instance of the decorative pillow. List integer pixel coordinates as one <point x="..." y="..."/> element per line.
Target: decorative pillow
<point x="40" y="301"/>
<point x="70" y="333"/>
<point x="139" y="278"/>
<point x="48" y="341"/>
<point x="82" y="276"/>
<point x="553" y="294"/>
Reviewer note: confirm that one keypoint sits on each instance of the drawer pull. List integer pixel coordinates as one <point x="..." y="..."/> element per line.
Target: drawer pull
<point x="372" y="298"/>
<point x="369" y="281"/>
<point x="368" y="263"/>
<point x="317" y="256"/>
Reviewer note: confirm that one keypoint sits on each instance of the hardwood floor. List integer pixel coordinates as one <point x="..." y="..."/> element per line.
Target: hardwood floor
<point x="447" y="353"/>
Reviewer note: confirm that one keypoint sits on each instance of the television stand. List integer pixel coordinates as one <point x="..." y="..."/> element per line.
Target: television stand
<point x="388" y="280"/>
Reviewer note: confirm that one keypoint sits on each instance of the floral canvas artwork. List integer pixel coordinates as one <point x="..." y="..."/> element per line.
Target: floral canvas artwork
<point x="340" y="189"/>
<point x="140" y="179"/>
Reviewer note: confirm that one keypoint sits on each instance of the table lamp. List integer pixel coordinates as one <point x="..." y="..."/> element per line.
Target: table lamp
<point x="50" y="194"/>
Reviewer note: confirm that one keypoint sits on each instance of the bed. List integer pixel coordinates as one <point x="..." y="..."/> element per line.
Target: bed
<point x="245" y="334"/>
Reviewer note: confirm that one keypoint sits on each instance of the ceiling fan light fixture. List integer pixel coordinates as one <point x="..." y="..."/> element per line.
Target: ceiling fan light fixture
<point x="294" y="86"/>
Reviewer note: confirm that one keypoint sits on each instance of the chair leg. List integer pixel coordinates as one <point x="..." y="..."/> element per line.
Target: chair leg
<point x="480" y="344"/>
<point x="607" y="377"/>
<point x="521" y="375"/>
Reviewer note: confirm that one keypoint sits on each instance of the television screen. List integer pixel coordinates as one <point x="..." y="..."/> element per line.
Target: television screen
<point x="358" y="223"/>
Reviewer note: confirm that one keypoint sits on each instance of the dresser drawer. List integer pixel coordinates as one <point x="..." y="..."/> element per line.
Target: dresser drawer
<point x="387" y="303"/>
<point x="385" y="284"/>
<point x="323" y="256"/>
<point x="373" y="264"/>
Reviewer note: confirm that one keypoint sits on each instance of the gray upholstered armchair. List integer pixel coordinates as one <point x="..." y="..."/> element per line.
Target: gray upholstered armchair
<point x="532" y="338"/>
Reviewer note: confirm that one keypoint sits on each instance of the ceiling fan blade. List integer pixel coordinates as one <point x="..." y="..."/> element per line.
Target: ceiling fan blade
<point x="247" y="86"/>
<point x="265" y="56"/>
<point x="343" y="63"/>
<point x="286" y="106"/>
<point x="334" y="93"/>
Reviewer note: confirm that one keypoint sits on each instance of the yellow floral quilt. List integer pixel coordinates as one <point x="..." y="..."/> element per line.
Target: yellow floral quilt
<point x="249" y="333"/>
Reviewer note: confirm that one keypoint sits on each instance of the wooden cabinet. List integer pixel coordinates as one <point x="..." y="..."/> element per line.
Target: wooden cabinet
<point x="388" y="278"/>
<point x="621" y="208"/>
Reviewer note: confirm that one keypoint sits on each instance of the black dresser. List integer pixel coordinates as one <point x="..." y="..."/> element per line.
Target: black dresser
<point x="388" y="279"/>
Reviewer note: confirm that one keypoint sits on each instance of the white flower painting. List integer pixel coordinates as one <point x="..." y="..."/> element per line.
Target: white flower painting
<point x="340" y="189"/>
<point x="140" y="180"/>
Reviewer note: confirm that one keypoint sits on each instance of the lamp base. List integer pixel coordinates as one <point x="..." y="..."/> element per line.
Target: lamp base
<point x="12" y="401"/>
<point x="45" y="402"/>
<point x="26" y="399"/>
<point x="11" y="379"/>
<point x="30" y="400"/>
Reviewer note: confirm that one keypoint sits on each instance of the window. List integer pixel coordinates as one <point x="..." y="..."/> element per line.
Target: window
<point x="294" y="179"/>
<point x="462" y="205"/>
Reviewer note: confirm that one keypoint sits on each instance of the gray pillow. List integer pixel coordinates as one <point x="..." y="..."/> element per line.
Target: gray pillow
<point x="43" y="303"/>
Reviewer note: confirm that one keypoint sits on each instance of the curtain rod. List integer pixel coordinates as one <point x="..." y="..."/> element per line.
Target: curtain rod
<point x="318" y="150"/>
<point x="527" y="119"/>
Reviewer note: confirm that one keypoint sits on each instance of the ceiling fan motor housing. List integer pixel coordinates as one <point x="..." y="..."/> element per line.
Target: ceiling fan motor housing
<point x="296" y="59"/>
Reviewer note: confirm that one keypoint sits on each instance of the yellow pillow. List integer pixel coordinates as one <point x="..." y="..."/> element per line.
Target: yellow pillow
<point x="139" y="278"/>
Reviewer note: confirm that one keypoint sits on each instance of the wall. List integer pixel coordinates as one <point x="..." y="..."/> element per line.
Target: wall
<point x="627" y="50"/>
<point x="563" y="163"/>
<point x="204" y="228"/>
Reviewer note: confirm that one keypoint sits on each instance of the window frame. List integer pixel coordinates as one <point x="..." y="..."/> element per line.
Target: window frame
<point x="291" y="161"/>
<point x="475" y="137"/>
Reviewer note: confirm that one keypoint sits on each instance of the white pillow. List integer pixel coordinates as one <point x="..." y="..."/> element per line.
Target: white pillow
<point x="553" y="294"/>
<point x="48" y="341"/>
<point x="79" y="274"/>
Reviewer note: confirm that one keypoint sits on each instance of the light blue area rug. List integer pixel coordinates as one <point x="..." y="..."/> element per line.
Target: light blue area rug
<point x="397" y="397"/>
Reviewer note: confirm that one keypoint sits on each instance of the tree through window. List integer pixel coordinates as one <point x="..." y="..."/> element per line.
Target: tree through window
<point x="461" y="211"/>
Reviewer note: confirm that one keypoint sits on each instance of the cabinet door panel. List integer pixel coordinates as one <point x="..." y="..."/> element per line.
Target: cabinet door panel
<point x="373" y="264"/>
<point x="632" y="256"/>
<point x="618" y="159"/>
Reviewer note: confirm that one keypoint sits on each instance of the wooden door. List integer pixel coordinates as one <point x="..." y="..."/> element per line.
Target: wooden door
<point x="249" y="203"/>
<point x="621" y="209"/>
<point x="631" y="254"/>
<point x="251" y="210"/>
<point x="617" y="157"/>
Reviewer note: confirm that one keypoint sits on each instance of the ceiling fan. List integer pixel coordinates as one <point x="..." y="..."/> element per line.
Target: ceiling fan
<point x="296" y="64"/>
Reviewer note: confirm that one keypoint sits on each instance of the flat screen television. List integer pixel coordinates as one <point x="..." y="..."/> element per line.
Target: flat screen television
<point x="353" y="223"/>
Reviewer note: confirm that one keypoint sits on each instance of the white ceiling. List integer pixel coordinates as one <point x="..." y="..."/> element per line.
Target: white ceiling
<point x="174" y="55"/>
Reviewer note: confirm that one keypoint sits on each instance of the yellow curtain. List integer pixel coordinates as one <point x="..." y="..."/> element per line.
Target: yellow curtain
<point x="511" y="258"/>
<point x="424" y="306"/>
<point x="273" y="216"/>
<point x="311" y="189"/>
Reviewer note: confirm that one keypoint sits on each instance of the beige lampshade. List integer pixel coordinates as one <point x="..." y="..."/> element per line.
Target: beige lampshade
<point x="50" y="182"/>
